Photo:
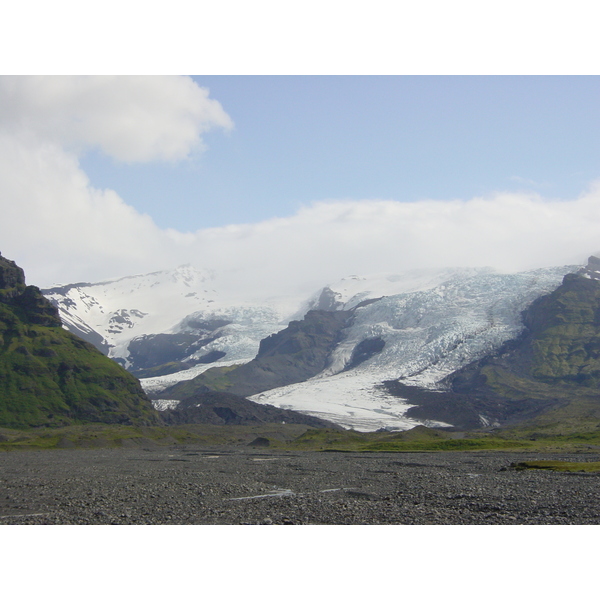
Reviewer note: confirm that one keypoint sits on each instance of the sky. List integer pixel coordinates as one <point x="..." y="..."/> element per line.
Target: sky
<point x="299" y="140"/>
<point x="292" y="182"/>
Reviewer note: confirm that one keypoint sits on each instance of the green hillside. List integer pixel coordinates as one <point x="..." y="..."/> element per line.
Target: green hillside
<point x="50" y="377"/>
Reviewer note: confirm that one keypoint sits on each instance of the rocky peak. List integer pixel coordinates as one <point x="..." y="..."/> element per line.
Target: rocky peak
<point x="328" y="300"/>
<point x="26" y="299"/>
<point x="592" y="269"/>
<point x="12" y="279"/>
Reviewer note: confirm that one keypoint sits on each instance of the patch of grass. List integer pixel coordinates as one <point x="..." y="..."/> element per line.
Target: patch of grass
<point x="419" y="439"/>
<point x="294" y="438"/>
<point x="120" y="436"/>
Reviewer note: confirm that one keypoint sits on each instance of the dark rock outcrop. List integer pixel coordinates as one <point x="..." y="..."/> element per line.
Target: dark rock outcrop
<point x="219" y="408"/>
<point x="155" y="351"/>
<point x="25" y="301"/>
<point x="364" y="351"/>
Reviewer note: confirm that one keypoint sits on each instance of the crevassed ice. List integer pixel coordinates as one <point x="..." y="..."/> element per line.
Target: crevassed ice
<point x="428" y="335"/>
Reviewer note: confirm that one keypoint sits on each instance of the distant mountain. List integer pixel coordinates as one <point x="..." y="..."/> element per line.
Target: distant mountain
<point x="446" y="348"/>
<point x="49" y="376"/>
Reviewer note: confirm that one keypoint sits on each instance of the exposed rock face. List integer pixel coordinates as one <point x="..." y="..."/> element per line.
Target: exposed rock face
<point x="148" y="351"/>
<point x="552" y="371"/>
<point x="592" y="269"/>
<point x="50" y="377"/>
<point x="328" y="300"/>
<point x="26" y="301"/>
<point x="364" y="351"/>
<point x="11" y="276"/>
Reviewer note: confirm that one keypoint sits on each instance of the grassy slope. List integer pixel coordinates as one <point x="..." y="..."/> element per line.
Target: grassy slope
<point x="50" y="377"/>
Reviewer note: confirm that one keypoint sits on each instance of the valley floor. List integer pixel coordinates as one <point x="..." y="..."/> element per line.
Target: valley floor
<point x="241" y="485"/>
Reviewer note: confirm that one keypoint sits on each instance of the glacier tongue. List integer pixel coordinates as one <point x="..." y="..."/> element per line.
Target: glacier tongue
<point x="427" y="335"/>
<point x="152" y="385"/>
<point x="420" y="326"/>
<point x="353" y="400"/>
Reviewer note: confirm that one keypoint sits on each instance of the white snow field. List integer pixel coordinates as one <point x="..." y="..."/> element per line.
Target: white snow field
<point x="129" y="307"/>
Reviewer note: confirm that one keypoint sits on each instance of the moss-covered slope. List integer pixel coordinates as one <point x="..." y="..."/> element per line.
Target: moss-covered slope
<point x="50" y="377"/>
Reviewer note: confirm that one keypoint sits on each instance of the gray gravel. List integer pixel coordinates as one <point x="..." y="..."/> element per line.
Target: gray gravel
<point x="251" y="486"/>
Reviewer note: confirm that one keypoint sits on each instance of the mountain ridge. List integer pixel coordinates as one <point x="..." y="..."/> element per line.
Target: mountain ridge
<point x="415" y="328"/>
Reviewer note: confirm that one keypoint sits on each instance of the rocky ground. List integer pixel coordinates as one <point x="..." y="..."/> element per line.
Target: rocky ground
<point x="244" y="485"/>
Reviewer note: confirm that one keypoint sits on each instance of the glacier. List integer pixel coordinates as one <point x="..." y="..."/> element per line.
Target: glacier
<point x="427" y="324"/>
<point x="111" y="314"/>
<point x="428" y="334"/>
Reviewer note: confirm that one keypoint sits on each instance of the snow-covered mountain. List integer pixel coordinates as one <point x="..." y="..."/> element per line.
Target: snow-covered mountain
<point x="110" y="313"/>
<point x="184" y="302"/>
<point x="419" y="326"/>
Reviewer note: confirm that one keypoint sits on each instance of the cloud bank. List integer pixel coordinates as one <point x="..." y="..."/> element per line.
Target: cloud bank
<point x="132" y="119"/>
<point x="59" y="228"/>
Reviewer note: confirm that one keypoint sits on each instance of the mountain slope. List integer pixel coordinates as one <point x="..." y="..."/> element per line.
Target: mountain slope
<point x="420" y="335"/>
<point x="221" y="408"/>
<point x="416" y="328"/>
<point x="549" y="374"/>
<point x="294" y="354"/>
<point x="48" y="376"/>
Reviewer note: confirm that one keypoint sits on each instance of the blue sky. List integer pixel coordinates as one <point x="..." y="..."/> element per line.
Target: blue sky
<point x="301" y="139"/>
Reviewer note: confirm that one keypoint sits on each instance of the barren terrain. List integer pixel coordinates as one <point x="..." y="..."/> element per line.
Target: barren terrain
<point x="242" y="485"/>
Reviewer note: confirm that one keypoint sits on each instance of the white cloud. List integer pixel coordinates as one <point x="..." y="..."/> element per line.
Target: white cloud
<point x="129" y="118"/>
<point x="59" y="226"/>
<point x="60" y="229"/>
<point x="329" y="240"/>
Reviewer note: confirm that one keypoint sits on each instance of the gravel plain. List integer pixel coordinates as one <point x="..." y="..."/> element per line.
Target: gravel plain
<point x="241" y="485"/>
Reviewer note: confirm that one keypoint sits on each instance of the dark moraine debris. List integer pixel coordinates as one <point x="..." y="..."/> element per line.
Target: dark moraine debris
<point x="222" y="408"/>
